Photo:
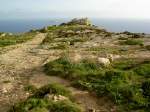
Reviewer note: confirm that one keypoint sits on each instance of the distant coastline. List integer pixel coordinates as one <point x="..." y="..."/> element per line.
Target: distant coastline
<point x="113" y="25"/>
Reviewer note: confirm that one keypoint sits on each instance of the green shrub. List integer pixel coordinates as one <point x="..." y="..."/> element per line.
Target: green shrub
<point x="64" y="106"/>
<point x="30" y="88"/>
<point x="143" y="70"/>
<point x="39" y="109"/>
<point x="51" y="89"/>
<point x="29" y="104"/>
<point x="42" y="105"/>
<point x="126" y="64"/>
<point x="133" y="42"/>
<point x="146" y="88"/>
<point x="147" y="47"/>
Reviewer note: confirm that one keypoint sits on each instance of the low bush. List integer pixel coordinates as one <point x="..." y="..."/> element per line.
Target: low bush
<point x="147" y="47"/>
<point x="143" y="70"/>
<point x="133" y="42"/>
<point x="146" y="88"/>
<point x="126" y="64"/>
<point x="64" y="106"/>
<point x="51" y="89"/>
<point x="38" y="103"/>
<point x="30" y="88"/>
<point x="43" y="105"/>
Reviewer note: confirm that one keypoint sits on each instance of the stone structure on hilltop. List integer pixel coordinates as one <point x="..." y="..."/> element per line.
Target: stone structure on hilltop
<point x="82" y="21"/>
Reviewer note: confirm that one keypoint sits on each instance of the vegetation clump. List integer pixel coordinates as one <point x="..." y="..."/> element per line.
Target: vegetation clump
<point x="38" y="102"/>
<point x="133" y="42"/>
<point x="62" y="37"/>
<point x="15" y="39"/>
<point x="123" y="82"/>
<point x="147" y="47"/>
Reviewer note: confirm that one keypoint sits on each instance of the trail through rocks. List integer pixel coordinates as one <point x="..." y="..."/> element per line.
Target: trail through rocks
<point x="24" y="65"/>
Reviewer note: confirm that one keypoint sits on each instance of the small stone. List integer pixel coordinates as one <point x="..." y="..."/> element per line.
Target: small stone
<point x="104" y="61"/>
<point x="27" y="93"/>
<point x="4" y="90"/>
<point x="55" y="98"/>
<point x="60" y="97"/>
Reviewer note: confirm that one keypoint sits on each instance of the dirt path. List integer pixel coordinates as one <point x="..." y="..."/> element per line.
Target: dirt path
<point x="83" y="98"/>
<point x="15" y="68"/>
<point x="23" y="66"/>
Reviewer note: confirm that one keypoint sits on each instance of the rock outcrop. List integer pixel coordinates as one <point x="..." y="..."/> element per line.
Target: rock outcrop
<point x="82" y="21"/>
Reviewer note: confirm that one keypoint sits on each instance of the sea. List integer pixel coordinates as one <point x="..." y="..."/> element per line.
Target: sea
<point x="112" y="25"/>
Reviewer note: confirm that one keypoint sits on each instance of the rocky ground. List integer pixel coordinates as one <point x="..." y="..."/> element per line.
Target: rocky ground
<point x="22" y="65"/>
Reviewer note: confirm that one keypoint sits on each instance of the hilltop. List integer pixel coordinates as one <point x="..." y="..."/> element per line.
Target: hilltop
<point x="74" y="67"/>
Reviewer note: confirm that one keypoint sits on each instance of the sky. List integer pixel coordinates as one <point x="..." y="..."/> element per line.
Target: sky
<point x="30" y="9"/>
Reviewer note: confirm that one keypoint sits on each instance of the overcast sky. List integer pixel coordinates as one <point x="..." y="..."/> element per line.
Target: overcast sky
<point x="127" y="9"/>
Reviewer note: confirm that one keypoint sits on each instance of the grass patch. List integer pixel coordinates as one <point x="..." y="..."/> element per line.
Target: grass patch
<point x="66" y="69"/>
<point x="71" y="34"/>
<point x="123" y="82"/>
<point x="38" y="103"/>
<point x="15" y="39"/>
<point x="143" y="70"/>
<point x="51" y="89"/>
<point x="43" y="105"/>
<point x="133" y="42"/>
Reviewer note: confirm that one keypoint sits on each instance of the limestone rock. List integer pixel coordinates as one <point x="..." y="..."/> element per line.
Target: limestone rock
<point x="55" y="98"/>
<point x="3" y="35"/>
<point x="104" y="61"/>
<point x="4" y="90"/>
